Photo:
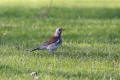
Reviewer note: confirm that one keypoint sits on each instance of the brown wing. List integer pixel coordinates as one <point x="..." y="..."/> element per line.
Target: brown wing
<point x="51" y="40"/>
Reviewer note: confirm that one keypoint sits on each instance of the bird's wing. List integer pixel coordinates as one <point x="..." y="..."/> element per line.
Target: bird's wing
<point x="51" y="40"/>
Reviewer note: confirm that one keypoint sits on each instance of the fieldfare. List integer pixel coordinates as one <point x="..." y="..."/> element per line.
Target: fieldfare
<point x="53" y="43"/>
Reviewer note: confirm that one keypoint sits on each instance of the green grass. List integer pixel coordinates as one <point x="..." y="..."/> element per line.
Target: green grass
<point x="91" y="46"/>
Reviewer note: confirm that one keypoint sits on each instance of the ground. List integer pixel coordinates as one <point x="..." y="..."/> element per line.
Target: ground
<point x="91" y="46"/>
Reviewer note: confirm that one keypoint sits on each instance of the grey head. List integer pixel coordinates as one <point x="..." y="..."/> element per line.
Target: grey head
<point x="58" y="32"/>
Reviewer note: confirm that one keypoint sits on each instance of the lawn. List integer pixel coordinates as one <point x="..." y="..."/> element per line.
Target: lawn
<point x="91" y="46"/>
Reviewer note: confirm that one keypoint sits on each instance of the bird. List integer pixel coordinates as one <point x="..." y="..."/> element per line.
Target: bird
<point x="53" y="43"/>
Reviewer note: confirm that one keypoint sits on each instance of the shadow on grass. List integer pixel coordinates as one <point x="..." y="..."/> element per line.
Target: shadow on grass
<point x="85" y="13"/>
<point x="62" y="13"/>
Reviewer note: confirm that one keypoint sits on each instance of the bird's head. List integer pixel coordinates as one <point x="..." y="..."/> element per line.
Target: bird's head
<point x="58" y="31"/>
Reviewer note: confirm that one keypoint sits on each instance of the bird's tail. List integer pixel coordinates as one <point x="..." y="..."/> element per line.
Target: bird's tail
<point x="39" y="48"/>
<point x="34" y="49"/>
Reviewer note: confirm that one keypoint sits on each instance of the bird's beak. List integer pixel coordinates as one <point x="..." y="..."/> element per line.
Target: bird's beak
<point x="63" y="29"/>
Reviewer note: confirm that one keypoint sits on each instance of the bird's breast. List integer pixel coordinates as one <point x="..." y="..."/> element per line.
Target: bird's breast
<point x="55" y="45"/>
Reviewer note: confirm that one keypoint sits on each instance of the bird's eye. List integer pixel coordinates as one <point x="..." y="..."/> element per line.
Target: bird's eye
<point x="59" y="29"/>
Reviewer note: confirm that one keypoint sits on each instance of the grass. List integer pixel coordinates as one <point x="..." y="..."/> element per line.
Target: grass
<point x="91" y="46"/>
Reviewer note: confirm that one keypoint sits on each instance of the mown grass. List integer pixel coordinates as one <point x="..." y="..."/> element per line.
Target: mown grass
<point x="91" y="46"/>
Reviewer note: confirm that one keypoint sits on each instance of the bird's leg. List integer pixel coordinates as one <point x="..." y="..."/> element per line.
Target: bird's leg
<point x="51" y="52"/>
